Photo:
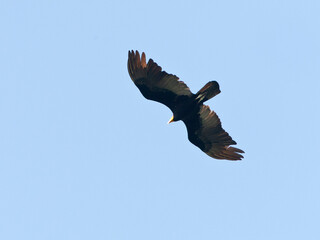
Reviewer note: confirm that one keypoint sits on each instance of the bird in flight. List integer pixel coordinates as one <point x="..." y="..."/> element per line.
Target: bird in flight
<point x="203" y="125"/>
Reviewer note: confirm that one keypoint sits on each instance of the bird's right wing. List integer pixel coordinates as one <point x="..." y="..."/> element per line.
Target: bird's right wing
<point x="205" y="131"/>
<point x="153" y="83"/>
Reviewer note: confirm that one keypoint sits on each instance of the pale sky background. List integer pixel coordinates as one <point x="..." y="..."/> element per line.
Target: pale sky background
<point x="84" y="156"/>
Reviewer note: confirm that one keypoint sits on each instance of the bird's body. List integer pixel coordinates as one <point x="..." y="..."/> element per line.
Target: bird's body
<point x="203" y="125"/>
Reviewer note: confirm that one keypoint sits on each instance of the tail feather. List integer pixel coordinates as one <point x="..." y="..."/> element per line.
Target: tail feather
<point x="209" y="90"/>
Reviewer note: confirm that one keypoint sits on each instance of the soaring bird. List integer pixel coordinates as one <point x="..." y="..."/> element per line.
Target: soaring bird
<point x="203" y="125"/>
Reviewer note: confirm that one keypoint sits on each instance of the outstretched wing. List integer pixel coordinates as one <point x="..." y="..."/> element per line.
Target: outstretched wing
<point x="153" y="83"/>
<point x="205" y="131"/>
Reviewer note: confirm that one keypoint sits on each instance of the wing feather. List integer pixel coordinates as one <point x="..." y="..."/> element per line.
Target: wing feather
<point x="153" y="83"/>
<point x="206" y="132"/>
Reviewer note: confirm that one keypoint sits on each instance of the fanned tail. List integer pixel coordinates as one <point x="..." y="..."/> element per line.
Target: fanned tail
<point x="209" y="90"/>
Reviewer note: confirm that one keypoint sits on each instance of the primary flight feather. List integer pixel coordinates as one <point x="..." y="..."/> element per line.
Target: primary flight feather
<point x="203" y="125"/>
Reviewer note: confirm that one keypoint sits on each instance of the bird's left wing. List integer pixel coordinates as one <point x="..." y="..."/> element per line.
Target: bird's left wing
<point x="205" y="131"/>
<point x="153" y="83"/>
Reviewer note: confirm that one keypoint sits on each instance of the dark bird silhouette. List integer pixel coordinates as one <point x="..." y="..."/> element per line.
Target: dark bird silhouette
<point x="203" y="125"/>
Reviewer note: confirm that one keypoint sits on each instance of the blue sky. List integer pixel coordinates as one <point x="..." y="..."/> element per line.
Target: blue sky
<point x="84" y="156"/>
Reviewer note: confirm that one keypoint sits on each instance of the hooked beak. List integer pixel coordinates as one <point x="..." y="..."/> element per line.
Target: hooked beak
<point x="171" y="120"/>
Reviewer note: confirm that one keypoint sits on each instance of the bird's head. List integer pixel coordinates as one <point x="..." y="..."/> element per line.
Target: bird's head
<point x="174" y="118"/>
<point x="177" y="115"/>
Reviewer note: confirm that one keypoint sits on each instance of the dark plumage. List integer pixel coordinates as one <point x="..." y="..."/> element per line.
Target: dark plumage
<point x="203" y="125"/>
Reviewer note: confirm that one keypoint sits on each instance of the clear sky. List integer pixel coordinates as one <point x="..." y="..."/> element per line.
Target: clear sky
<point x="84" y="156"/>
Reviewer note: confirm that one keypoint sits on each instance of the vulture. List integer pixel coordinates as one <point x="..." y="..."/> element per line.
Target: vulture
<point x="203" y="125"/>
